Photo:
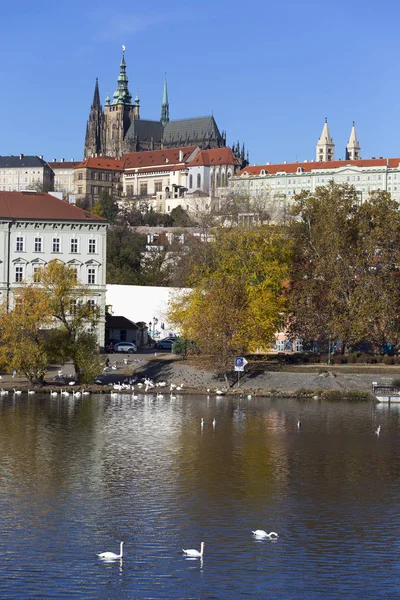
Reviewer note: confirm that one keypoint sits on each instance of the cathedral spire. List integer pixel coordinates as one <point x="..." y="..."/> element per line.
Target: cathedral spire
<point x="353" y="150"/>
<point x="122" y="94"/>
<point x="325" y="145"/>
<point x="165" y="105"/>
<point x="96" y="96"/>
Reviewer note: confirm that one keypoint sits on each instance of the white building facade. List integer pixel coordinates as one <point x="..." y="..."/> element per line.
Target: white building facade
<point x="36" y="228"/>
<point x="22" y="172"/>
<point x="64" y="176"/>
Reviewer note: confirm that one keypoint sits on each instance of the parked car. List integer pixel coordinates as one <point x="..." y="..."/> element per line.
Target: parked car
<point x="128" y="347"/>
<point x="166" y="344"/>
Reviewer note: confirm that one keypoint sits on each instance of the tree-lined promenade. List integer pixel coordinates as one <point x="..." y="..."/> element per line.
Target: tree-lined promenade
<point x="330" y="271"/>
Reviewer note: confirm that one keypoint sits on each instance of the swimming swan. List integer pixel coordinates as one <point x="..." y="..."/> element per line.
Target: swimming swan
<point x="260" y="533"/>
<point x="195" y="553"/>
<point x="111" y="555"/>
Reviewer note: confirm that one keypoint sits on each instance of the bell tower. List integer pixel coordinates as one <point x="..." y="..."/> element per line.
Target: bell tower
<point x="325" y="146"/>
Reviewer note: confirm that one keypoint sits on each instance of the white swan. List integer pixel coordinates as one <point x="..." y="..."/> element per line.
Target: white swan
<point x="112" y="555"/>
<point x="31" y="392"/>
<point x="202" y="423"/>
<point x="260" y="533"/>
<point x="378" y="430"/>
<point x="18" y="392"/>
<point x="195" y="553"/>
<point x="53" y="394"/>
<point x="214" y="422"/>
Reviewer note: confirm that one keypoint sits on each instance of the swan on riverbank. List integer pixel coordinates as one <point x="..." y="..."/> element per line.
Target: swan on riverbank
<point x="194" y="553"/>
<point x="260" y="533"/>
<point x="111" y="555"/>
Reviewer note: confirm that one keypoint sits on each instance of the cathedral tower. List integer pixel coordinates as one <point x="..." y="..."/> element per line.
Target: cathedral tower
<point x="119" y="113"/>
<point x="353" y="150"/>
<point x="94" y="140"/>
<point x="325" y="145"/>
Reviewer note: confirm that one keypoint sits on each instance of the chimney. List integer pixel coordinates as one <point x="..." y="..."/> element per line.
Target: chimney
<point x="21" y="156"/>
<point x="54" y="160"/>
<point x="63" y="160"/>
<point x="180" y="155"/>
<point x="41" y="157"/>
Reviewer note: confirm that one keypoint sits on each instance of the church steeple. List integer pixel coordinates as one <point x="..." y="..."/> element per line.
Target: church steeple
<point x="325" y="146"/>
<point x="122" y="94"/>
<point x="165" y="105"/>
<point x="353" y="150"/>
<point x="94" y="139"/>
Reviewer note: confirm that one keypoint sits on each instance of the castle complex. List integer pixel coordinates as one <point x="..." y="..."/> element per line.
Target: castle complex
<point x="118" y="129"/>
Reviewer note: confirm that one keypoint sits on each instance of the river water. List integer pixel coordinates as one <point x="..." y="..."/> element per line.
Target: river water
<point x="80" y="475"/>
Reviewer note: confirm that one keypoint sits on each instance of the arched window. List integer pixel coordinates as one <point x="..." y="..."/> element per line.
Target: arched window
<point x="198" y="180"/>
<point x="217" y="180"/>
<point x="222" y="180"/>
<point x="190" y="181"/>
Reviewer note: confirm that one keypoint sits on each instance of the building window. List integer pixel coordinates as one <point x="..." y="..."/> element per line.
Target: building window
<point x="36" y="274"/>
<point x="198" y="180"/>
<point x="91" y="275"/>
<point x="74" y="245"/>
<point x="190" y="181"/>
<point x="72" y="307"/>
<point x="281" y="345"/>
<point x="56" y="244"/>
<point x="91" y="306"/>
<point x="299" y="346"/>
<point x="38" y="244"/>
<point x="74" y="270"/>
<point x="122" y="335"/>
<point x="19" y="244"/>
<point x="80" y="176"/>
<point x="92" y="246"/>
<point x="79" y="190"/>
<point x="19" y="274"/>
<point x="143" y="189"/>
<point x="158" y="186"/>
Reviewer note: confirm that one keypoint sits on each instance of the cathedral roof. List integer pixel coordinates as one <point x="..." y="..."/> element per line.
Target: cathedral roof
<point x="198" y="129"/>
<point x="145" y="131"/>
<point x="37" y="205"/>
<point x="215" y="156"/>
<point x="102" y="162"/>
<point x="159" y="158"/>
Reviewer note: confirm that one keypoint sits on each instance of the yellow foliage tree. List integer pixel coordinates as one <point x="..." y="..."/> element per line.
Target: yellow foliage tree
<point x="21" y="341"/>
<point x="237" y="301"/>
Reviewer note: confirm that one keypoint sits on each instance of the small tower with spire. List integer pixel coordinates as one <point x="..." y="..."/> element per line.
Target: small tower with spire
<point x="353" y="150"/>
<point x="165" y="105"/>
<point x="325" y="146"/>
<point x="95" y="136"/>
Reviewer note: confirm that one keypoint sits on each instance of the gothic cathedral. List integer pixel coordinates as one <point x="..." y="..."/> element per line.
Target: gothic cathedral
<point x="118" y="128"/>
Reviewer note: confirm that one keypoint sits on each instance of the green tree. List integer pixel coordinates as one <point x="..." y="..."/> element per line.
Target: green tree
<point x="106" y="207"/>
<point x="237" y="301"/>
<point x="345" y="271"/>
<point x="124" y="249"/>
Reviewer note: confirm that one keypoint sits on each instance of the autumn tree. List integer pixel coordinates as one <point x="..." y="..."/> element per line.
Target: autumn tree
<point x="22" y="344"/>
<point x="345" y="274"/>
<point x="237" y="300"/>
<point x="74" y="317"/>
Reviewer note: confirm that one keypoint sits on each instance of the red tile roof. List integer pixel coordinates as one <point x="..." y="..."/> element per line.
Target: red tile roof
<point x="136" y="160"/>
<point x="28" y="206"/>
<point x="216" y="156"/>
<point x="102" y="162"/>
<point x="314" y="165"/>
<point x="63" y="164"/>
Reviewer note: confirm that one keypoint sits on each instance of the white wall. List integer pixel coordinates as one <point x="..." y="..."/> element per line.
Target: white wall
<point x="142" y="303"/>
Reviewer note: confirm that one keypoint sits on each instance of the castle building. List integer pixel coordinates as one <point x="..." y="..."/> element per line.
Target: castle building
<point x="119" y="129"/>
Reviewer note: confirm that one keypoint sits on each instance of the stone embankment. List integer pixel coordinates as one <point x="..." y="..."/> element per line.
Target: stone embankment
<point x="288" y="381"/>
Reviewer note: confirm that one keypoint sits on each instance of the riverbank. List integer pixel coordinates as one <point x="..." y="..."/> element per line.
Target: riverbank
<point x="284" y="380"/>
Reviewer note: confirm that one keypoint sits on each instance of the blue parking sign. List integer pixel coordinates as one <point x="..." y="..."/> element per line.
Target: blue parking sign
<point x="240" y="363"/>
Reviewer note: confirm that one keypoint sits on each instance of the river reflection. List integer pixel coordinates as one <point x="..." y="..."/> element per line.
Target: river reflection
<point x="80" y="475"/>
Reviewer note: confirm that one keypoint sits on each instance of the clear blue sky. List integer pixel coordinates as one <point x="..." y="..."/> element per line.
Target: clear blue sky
<point x="270" y="71"/>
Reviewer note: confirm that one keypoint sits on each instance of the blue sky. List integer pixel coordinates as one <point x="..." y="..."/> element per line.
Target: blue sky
<point x="270" y="72"/>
